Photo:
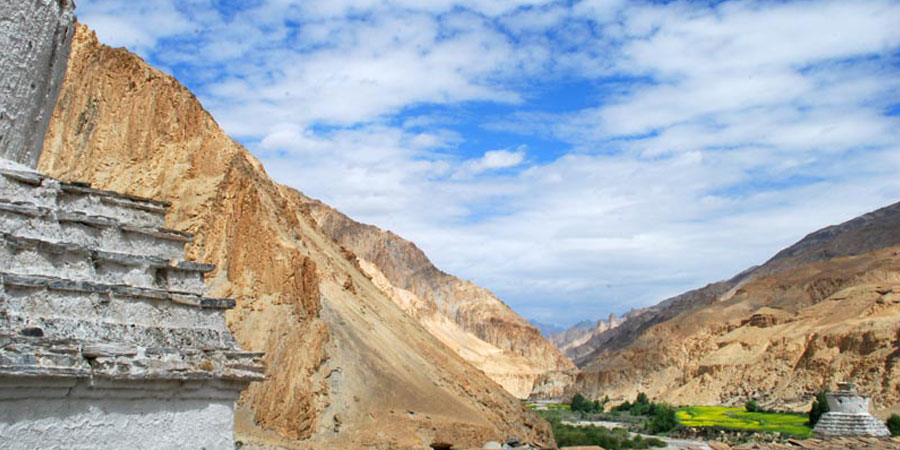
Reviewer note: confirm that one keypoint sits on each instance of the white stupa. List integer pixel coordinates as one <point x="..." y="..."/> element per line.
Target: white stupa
<point x="107" y="337"/>
<point x="849" y="415"/>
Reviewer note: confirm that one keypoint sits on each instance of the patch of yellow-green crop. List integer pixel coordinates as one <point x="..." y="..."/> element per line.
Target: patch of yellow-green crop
<point x="740" y="419"/>
<point x="550" y="406"/>
<point x="560" y="406"/>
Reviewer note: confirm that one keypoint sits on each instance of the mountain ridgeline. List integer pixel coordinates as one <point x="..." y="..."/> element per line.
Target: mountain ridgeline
<point x="823" y="310"/>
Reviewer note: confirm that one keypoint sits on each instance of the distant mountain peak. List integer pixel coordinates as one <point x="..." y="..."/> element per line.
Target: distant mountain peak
<point x="823" y="309"/>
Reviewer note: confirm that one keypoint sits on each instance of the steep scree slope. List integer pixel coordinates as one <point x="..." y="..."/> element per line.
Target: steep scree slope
<point x="346" y="367"/>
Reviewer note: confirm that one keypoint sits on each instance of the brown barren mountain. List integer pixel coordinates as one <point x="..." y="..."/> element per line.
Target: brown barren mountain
<point x="467" y="318"/>
<point x="824" y="310"/>
<point x="346" y="368"/>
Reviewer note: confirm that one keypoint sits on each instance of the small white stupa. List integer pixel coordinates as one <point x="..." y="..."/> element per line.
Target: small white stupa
<point x="849" y="415"/>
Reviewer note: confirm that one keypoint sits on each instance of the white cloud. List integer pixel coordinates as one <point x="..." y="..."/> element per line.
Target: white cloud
<point x="136" y="25"/>
<point x="723" y="134"/>
<point x="491" y="161"/>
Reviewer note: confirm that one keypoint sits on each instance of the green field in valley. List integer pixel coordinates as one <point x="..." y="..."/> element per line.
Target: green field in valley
<point x="738" y="418"/>
<point x="550" y="406"/>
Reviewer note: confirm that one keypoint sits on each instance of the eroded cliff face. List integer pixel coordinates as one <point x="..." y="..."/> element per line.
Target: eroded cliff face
<point x="467" y="318"/>
<point x="346" y="367"/>
<point x="824" y="310"/>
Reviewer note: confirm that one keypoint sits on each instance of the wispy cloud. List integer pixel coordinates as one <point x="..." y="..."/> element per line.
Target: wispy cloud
<point x="492" y="160"/>
<point x="575" y="157"/>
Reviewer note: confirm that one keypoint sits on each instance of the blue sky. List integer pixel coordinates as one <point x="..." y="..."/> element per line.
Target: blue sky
<point x="576" y="157"/>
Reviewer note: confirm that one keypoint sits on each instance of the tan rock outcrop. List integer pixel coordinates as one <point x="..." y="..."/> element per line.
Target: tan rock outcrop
<point x="346" y="368"/>
<point x="467" y="318"/>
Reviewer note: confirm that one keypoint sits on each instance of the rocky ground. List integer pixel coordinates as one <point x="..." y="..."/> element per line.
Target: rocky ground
<point x="817" y="444"/>
<point x="808" y="444"/>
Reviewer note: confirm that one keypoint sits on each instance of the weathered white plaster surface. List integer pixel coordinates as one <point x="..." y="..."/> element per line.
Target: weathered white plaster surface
<point x="106" y="338"/>
<point x="6" y="164"/>
<point x="35" y="39"/>
<point x="849" y="415"/>
<point x="848" y="402"/>
<point x="117" y="417"/>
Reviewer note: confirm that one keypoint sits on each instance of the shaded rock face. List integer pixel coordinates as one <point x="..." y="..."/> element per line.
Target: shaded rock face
<point x="346" y="368"/>
<point x="34" y="37"/>
<point x="823" y="310"/>
<point x="467" y="318"/>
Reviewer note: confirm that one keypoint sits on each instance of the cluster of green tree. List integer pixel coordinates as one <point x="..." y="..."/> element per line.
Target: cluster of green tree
<point x="663" y="419"/>
<point x="893" y="424"/>
<point x="642" y="406"/>
<point x="818" y="408"/>
<point x="610" y="439"/>
<point x="753" y="407"/>
<point x="661" y="416"/>
<point x="579" y="403"/>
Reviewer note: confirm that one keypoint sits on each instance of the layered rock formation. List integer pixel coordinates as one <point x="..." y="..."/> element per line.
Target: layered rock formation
<point x="346" y="367"/>
<point x="823" y="310"/>
<point x="467" y="318"/>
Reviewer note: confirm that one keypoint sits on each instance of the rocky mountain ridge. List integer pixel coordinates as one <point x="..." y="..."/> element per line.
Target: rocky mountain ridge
<point x="547" y="329"/>
<point x="575" y="337"/>
<point x="824" y="309"/>
<point x="468" y="318"/>
<point x="346" y="367"/>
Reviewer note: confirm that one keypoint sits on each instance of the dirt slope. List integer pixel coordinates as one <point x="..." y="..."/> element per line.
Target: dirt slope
<point x="824" y="310"/>
<point x="466" y="317"/>
<point x="346" y="367"/>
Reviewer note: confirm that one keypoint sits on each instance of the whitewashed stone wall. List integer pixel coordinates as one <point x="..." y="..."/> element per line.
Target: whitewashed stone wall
<point x="35" y="39"/>
<point x="849" y="415"/>
<point x="107" y="340"/>
<point x="73" y="415"/>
